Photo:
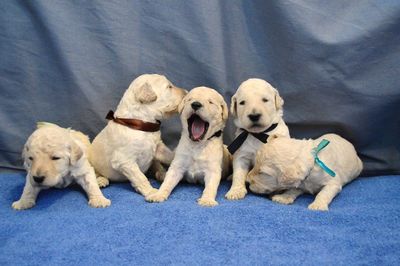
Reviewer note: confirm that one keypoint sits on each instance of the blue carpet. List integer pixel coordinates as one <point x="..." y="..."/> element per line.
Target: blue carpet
<point x="362" y="227"/>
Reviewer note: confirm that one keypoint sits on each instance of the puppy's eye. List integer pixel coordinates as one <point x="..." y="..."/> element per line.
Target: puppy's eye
<point x="169" y="87"/>
<point x="30" y="158"/>
<point x="265" y="100"/>
<point x="55" y="158"/>
<point x="210" y="102"/>
<point x="242" y="102"/>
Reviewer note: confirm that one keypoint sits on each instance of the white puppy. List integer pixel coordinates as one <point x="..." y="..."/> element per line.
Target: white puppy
<point x="322" y="166"/>
<point x="56" y="157"/>
<point x="127" y="146"/>
<point x="199" y="154"/>
<point x="257" y="109"/>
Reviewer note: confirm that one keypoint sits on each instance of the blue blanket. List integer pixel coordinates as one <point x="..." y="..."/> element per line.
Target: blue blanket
<point x="362" y="227"/>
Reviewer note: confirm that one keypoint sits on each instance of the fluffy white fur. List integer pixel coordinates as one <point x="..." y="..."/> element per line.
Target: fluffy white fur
<point x="56" y="157"/>
<point x="254" y="96"/>
<point x="288" y="164"/>
<point x="119" y="153"/>
<point x="198" y="160"/>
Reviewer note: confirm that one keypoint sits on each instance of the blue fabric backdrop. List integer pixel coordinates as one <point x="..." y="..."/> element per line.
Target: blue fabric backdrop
<point x="336" y="64"/>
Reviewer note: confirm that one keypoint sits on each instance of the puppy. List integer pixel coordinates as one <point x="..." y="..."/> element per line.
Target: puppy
<point x="131" y="141"/>
<point x="320" y="166"/>
<point x="199" y="156"/>
<point x="257" y="110"/>
<point x="56" y="157"/>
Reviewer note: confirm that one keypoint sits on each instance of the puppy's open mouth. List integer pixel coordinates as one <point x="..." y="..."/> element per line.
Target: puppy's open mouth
<point x="197" y="127"/>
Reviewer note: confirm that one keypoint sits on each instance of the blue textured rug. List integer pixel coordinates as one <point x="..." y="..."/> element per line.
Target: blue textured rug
<point x="362" y="227"/>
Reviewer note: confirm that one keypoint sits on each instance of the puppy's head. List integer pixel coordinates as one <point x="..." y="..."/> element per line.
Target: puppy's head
<point x="256" y="105"/>
<point x="263" y="177"/>
<point x="49" y="154"/>
<point x="203" y="113"/>
<point x="282" y="163"/>
<point x="153" y="93"/>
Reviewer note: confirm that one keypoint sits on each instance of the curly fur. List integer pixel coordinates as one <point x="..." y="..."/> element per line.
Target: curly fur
<point x="58" y="157"/>
<point x="288" y="164"/>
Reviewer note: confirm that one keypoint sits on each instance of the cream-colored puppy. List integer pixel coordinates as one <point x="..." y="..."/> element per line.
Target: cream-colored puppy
<point x="322" y="166"/>
<point x="257" y="109"/>
<point x="199" y="154"/>
<point x="56" y="157"/>
<point x="120" y="152"/>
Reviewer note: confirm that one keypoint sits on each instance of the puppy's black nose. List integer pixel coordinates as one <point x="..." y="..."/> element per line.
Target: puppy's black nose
<point x="196" y="105"/>
<point x="254" y="117"/>
<point x="38" y="179"/>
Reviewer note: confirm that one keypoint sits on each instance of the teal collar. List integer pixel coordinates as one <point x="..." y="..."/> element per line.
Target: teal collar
<point x="315" y="152"/>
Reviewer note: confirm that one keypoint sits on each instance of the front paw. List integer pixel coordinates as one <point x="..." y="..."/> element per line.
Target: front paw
<point x="236" y="193"/>
<point x="282" y="199"/>
<point x="318" y="206"/>
<point x="149" y="191"/>
<point x="158" y="196"/>
<point x="23" y="204"/>
<point x="99" y="202"/>
<point x="207" y="202"/>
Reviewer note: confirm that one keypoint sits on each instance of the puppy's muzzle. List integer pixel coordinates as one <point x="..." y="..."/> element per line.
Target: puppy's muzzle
<point x="196" y="105"/>
<point x="254" y="117"/>
<point x="38" y="179"/>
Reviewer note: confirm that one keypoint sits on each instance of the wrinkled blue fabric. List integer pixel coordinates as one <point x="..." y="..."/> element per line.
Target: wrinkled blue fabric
<point x="335" y="63"/>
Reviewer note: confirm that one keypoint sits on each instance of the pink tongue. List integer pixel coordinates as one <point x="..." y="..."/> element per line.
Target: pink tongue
<point x="198" y="128"/>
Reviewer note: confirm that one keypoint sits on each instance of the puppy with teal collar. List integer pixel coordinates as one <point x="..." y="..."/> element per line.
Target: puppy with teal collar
<point x="321" y="166"/>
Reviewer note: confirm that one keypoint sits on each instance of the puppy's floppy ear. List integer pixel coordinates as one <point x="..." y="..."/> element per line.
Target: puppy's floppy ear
<point x="278" y="101"/>
<point x="25" y="154"/>
<point x="234" y="106"/>
<point x="76" y="153"/>
<point x="292" y="175"/>
<point x="145" y="94"/>
<point x="181" y="105"/>
<point x="224" y="107"/>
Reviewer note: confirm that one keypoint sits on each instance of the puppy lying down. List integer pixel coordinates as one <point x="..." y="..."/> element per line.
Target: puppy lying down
<point x="56" y="157"/>
<point x="321" y="166"/>
<point x="200" y="155"/>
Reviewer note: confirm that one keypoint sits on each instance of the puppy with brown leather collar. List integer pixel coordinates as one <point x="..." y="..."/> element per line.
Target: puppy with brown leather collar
<point x="125" y="149"/>
<point x="199" y="156"/>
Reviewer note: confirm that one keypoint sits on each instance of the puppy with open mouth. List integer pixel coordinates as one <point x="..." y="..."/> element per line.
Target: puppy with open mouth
<point x="200" y="156"/>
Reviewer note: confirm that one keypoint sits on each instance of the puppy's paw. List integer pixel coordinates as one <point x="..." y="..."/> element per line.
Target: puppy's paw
<point x="236" y="193"/>
<point x="22" y="204"/>
<point x="282" y="199"/>
<point x="102" y="181"/>
<point x="158" y="196"/>
<point x="318" y="206"/>
<point x="207" y="202"/>
<point x="149" y="191"/>
<point x="99" y="202"/>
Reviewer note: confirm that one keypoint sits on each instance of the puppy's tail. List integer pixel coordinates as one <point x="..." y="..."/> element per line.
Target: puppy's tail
<point x="41" y="124"/>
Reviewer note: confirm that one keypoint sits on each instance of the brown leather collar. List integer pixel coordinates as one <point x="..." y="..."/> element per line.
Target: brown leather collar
<point x="134" y="123"/>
